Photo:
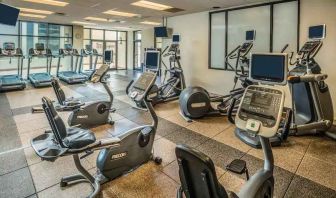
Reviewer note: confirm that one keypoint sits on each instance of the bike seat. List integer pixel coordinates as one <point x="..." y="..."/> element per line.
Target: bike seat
<point x="78" y="138"/>
<point x="197" y="174"/>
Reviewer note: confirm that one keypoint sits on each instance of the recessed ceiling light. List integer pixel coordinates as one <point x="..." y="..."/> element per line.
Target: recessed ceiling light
<point x="49" y="2"/>
<point x="151" y="5"/>
<point x="32" y="15"/>
<point x="35" y="11"/>
<point x="96" y="19"/>
<point x="118" y="13"/>
<point x="150" y="23"/>
<point x="82" y="23"/>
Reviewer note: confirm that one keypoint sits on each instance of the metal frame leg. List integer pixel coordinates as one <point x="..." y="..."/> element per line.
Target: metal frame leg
<point x="84" y="176"/>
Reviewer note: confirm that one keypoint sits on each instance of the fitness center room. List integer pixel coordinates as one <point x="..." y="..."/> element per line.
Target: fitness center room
<point x="167" y="98"/>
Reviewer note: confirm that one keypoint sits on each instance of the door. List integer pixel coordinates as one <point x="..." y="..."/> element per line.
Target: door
<point x="112" y="45"/>
<point x="99" y="46"/>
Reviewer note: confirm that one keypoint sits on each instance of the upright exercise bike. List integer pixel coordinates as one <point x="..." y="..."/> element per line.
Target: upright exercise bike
<point x="118" y="155"/>
<point x="260" y="113"/>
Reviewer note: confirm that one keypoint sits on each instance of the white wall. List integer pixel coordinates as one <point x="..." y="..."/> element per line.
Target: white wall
<point x="194" y="53"/>
<point x="315" y="12"/>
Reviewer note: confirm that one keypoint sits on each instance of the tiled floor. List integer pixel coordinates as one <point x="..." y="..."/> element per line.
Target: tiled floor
<point x="305" y="166"/>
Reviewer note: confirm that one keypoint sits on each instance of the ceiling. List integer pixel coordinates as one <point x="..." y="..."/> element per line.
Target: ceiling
<point x="77" y="10"/>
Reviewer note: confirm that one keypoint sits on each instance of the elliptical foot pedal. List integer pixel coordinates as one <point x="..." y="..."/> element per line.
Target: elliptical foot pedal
<point x="238" y="166"/>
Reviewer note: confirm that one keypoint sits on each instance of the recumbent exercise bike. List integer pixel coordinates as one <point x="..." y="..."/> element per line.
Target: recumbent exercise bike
<point x="118" y="155"/>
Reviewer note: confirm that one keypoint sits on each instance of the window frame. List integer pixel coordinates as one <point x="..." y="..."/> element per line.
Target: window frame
<point x="226" y="11"/>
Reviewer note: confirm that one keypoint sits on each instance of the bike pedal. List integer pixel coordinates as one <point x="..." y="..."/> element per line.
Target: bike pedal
<point x="112" y="110"/>
<point x="238" y="166"/>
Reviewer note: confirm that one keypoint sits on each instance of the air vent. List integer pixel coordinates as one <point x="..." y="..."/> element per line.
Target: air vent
<point x="174" y="10"/>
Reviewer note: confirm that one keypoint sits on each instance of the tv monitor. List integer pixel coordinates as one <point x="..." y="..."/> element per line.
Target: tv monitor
<point x="8" y="46"/>
<point x="8" y="14"/>
<point x="317" y="32"/>
<point x="108" y="56"/>
<point x="269" y="68"/>
<point x="160" y="32"/>
<point x="152" y="59"/>
<point x="250" y="35"/>
<point x="176" y="38"/>
<point x="39" y="46"/>
<point x="68" y="46"/>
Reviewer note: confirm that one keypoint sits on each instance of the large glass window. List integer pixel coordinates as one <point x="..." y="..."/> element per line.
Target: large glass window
<point x="107" y="40"/>
<point x="275" y="23"/>
<point x="26" y="34"/>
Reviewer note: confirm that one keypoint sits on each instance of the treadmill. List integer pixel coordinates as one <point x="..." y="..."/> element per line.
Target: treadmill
<point x="71" y="76"/>
<point x="14" y="81"/>
<point x="42" y="79"/>
<point x="88" y="52"/>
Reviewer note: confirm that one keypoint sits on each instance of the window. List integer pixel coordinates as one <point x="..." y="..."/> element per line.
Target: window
<point x="275" y="23"/>
<point x="107" y="40"/>
<point x="137" y="50"/>
<point x="26" y="34"/>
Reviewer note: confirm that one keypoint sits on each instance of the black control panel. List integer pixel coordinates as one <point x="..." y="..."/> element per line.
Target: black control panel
<point x="261" y="103"/>
<point x="245" y="48"/>
<point x="310" y="47"/>
<point x="139" y="89"/>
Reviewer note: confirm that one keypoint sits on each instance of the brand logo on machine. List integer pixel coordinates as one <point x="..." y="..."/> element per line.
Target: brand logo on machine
<point x="118" y="156"/>
<point x="83" y="117"/>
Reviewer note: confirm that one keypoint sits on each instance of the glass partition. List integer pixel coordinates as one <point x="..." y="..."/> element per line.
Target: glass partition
<point x="275" y="23"/>
<point x="285" y="29"/>
<point x="218" y="40"/>
<point x="240" y="21"/>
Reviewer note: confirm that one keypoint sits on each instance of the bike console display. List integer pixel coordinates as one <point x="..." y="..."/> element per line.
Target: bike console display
<point x="261" y="108"/>
<point x="140" y="87"/>
<point x="260" y="111"/>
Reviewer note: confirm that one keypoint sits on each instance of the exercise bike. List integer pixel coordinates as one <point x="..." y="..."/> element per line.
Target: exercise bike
<point x="259" y="113"/>
<point x="90" y="114"/>
<point x="118" y="155"/>
<point x="195" y="102"/>
<point x="172" y="87"/>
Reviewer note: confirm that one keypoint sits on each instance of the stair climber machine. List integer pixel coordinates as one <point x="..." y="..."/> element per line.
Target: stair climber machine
<point x="172" y="86"/>
<point x="93" y="54"/>
<point x="13" y="81"/>
<point x="70" y="76"/>
<point x="260" y="113"/>
<point x="41" y="79"/>
<point x="311" y="101"/>
<point x="119" y="154"/>
<point x="195" y="102"/>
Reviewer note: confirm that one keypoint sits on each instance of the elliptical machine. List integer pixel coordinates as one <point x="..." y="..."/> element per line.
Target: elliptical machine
<point x="118" y="155"/>
<point x="195" y="102"/>
<point x="312" y="110"/>
<point x="259" y="113"/>
<point x="172" y="87"/>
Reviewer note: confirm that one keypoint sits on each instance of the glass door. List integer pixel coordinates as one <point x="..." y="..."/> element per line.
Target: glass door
<point x="99" y="46"/>
<point x="112" y="45"/>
